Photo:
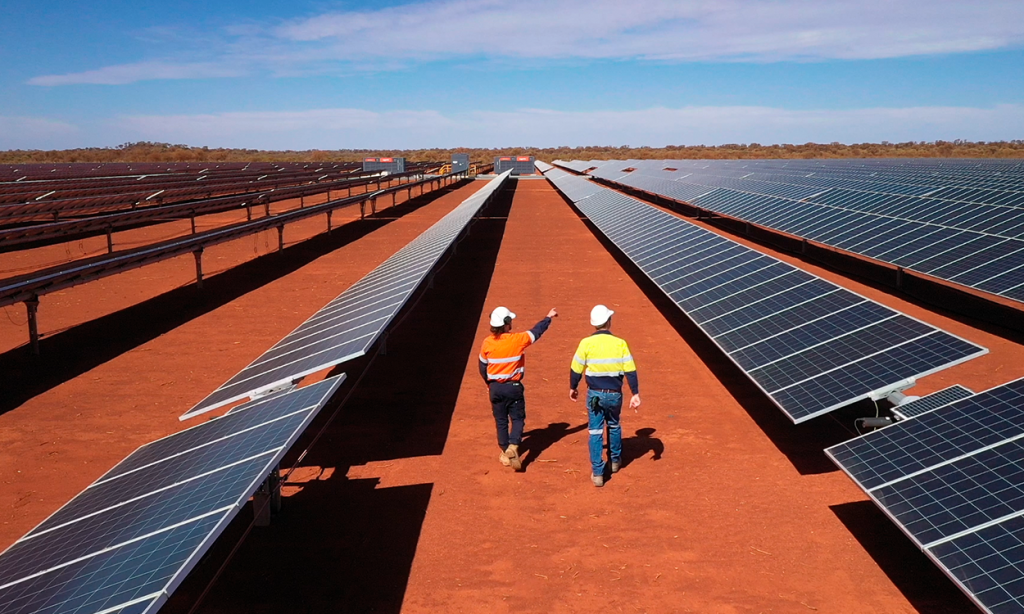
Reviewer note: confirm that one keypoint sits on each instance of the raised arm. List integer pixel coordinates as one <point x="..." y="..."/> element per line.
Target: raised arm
<point x="540" y="327"/>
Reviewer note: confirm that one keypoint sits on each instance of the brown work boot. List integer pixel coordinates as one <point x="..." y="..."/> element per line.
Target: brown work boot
<point x="512" y="452"/>
<point x="504" y="460"/>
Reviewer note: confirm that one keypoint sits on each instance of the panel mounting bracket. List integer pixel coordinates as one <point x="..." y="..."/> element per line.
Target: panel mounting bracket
<point x="892" y="390"/>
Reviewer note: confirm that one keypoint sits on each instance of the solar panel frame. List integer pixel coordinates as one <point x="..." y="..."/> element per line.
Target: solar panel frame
<point x="645" y="225"/>
<point x="140" y="549"/>
<point x="303" y="352"/>
<point x="858" y="210"/>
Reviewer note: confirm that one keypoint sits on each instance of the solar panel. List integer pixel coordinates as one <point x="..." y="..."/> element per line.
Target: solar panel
<point x="126" y="541"/>
<point x="930" y="402"/>
<point x="349" y="325"/>
<point x="920" y="216"/>
<point x="904" y="448"/>
<point x="810" y="345"/>
<point x="953" y="481"/>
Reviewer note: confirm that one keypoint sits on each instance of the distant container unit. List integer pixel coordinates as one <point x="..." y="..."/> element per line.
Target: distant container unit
<point x="460" y="162"/>
<point x="520" y="165"/>
<point x="391" y="165"/>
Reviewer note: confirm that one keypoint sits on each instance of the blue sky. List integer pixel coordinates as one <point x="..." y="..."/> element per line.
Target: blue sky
<point x="487" y="73"/>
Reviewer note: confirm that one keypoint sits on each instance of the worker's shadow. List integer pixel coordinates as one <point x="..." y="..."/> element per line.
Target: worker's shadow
<point x="538" y="440"/>
<point x="635" y="447"/>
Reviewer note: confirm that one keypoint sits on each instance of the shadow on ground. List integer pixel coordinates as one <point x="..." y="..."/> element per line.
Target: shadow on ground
<point x="68" y="354"/>
<point x="920" y="581"/>
<point x="802" y="444"/>
<point x="536" y="441"/>
<point x="341" y="544"/>
<point x="640" y="445"/>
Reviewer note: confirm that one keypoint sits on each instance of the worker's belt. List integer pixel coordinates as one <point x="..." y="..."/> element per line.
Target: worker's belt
<point x="505" y="381"/>
<point x="619" y="391"/>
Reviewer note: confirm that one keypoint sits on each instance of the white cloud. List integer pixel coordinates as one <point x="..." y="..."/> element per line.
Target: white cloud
<point x="19" y="132"/>
<point x="142" y="71"/>
<point x="656" y="29"/>
<point x="356" y="128"/>
<point x="541" y="30"/>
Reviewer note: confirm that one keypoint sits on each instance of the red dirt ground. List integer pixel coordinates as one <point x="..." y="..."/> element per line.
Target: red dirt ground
<point x="722" y="505"/>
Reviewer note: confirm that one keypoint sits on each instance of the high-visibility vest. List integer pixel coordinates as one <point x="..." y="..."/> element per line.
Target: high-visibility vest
<point x="604" y="359"/>
<point x="503" y="355"/>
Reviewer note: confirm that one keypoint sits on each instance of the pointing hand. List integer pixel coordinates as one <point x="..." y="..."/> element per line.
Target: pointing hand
<point x="552" y="313"/>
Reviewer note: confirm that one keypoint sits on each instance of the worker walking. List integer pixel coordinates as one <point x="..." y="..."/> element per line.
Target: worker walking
<point x="502" y="365"/>
<point x="605" y="360"/>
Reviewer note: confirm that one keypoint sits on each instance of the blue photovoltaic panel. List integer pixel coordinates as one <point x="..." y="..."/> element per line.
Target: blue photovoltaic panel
<point x="956" y="220"/>
<point x="988" y="565"/>
<point x="935" y="400"/>
<point x="126" y="542"/>
<point x="350" y="324"/>
<point x="953" y="480"/>
<point x="894" y="452"/>
<point x="810" y="345"/>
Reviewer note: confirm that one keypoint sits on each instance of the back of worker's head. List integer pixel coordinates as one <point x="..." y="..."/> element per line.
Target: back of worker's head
<point x="601" y="317"/>
<point x="501" y="320"/>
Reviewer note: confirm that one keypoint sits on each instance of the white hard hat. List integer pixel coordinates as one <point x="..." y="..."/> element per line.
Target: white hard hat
<point x="498" y="316"/>
<point x="599" y="315"/>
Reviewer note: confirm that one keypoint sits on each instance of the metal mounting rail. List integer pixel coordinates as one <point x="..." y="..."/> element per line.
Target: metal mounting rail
<point x="28" y="288"/>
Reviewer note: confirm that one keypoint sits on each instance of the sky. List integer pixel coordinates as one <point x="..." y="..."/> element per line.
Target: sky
<point x="321" y="74"/>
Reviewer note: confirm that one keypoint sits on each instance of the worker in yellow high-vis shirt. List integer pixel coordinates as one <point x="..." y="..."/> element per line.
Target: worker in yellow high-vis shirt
<point x="605" y="359"/>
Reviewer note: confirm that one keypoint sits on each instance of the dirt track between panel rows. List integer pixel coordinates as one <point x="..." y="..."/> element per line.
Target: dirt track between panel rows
<point x="722" y="505"/>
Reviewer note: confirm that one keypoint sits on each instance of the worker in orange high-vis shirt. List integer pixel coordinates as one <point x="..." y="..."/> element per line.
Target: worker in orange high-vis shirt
<point x="502" y="365"/>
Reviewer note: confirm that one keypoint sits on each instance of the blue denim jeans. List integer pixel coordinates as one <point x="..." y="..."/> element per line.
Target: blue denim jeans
<point x="604" y="407"/>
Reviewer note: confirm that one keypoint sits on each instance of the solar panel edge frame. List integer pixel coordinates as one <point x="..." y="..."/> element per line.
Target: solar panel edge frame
<point x="178" y="577"/>
<point x="834" y="247"/>
<point x="934" y="559"/>
<point x="343" y="377"/>
<point x="193" y="412"/>
<point x="868" y="394"/>
<point x="896" y="424"/>
<point x="497" y="183"/>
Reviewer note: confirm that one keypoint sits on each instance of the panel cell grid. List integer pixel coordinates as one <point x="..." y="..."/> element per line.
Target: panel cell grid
<point x="806" y="368"/>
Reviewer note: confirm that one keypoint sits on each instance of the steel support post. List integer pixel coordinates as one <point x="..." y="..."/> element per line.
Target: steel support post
<point x="266" y="501"/>
<point x="899" y="277"/>
<point x="32" y="306"/>
<point x="192" y="219"/>
<point x="199" y="267"/>
<point x="110" y="239"/>
<point x="248" y="213"/>
<point x="329" y="214"/>
<point x="280" y="238"/>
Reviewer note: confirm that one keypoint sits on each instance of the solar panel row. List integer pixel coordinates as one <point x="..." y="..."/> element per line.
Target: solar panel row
<point x="125" y="542"/>
<point x="810" y="345"/>
<point x="350" y="324"/>
<point x="953" y="480"/>
<point x="967" y="228"/>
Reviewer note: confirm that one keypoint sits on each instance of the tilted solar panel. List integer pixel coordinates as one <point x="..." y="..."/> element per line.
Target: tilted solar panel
<point x="810" y="345"/>
<point x="953" y="481"/>
<point x="127" y="541"/>
<point x="923" y="218"/>
<point x="349" y="325"/>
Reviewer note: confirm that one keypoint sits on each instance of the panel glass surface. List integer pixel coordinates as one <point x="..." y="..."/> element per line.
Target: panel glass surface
<point x="808" y="367"/>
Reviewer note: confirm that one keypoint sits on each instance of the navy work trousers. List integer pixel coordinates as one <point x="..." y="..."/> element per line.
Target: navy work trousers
<point x="508" y="405"/>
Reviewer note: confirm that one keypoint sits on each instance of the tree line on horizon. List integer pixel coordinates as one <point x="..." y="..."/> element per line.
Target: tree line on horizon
<point x="165" y="152"/>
